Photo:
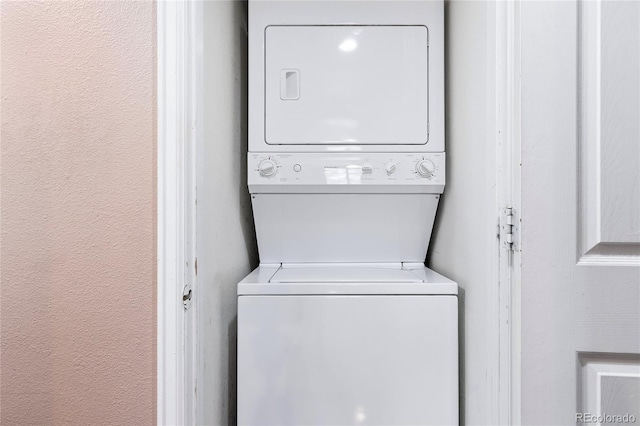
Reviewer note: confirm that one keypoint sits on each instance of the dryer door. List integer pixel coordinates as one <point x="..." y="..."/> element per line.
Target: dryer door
<point x="355" y="85"/>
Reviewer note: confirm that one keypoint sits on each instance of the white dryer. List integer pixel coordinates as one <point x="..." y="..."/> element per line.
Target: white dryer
<point x="342" y="323"/>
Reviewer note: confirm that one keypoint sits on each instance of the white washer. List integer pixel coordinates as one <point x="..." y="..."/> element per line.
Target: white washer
<point x="340" y="345"/>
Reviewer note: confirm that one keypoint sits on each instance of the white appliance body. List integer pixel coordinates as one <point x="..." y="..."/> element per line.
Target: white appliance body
<point x="340" y="345"/>
<point x="373" y="207"/>
<point x="345" y="97"/>
<point x="342" y="323"/>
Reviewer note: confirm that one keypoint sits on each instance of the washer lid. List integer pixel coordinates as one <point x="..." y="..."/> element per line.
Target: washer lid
<point x="338" y="280"/>
<point x="344" y="274"/>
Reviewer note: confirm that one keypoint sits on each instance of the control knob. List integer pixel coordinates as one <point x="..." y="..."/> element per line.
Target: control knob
<point x="268" y="168"/>
<point x="425" y="168"/>
<point x="391" y="168"/>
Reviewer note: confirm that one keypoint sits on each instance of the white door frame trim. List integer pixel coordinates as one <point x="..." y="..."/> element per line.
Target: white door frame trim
<point x="508" y="127"/>
<point x="179" y="57"/>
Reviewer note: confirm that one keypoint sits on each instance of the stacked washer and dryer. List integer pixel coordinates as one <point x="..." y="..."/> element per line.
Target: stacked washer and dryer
<point x="342" y="323"/>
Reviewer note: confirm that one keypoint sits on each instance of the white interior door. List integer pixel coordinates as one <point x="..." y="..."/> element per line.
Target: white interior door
<point x="580" y="94"/>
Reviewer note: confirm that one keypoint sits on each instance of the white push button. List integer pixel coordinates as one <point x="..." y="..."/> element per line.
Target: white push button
<point x="297" y="168"/>
<point x="367" y="168"/>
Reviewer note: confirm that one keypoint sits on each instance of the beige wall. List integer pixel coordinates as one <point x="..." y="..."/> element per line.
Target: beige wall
<point x="77" y="170"/>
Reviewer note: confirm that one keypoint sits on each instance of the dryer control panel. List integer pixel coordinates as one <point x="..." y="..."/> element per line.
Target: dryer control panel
<point x="346" y="172"/>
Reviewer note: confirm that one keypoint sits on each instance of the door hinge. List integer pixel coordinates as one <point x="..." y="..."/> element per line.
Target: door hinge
<point x="510" y="229"/>
<point x="186" y="296"/>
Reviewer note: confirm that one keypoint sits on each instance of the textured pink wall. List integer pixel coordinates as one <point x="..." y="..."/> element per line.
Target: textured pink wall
<point x="77" y="170"/>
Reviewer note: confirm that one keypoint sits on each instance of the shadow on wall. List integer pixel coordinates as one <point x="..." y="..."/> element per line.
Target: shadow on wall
<point x="461" y="322"/>
<point x="233" y="364"/>
<point x="248" y="228"/>
<point x="247" y="223"/>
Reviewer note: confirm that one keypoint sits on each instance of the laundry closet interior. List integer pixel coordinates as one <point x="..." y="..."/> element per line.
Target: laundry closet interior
<point x="345" y="145"/>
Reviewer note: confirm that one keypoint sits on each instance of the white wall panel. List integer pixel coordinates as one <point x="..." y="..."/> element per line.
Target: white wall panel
<point x="226" y="240"/>
<point x="464" y="245"/>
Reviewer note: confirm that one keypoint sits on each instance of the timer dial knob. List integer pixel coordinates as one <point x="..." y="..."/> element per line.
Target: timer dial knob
<point x="425" y="168"/>
<point x="391" y="168"/>
<point x="267" y="168"/>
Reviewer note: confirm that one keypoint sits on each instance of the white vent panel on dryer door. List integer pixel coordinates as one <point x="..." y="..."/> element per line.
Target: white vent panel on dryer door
<point x="346" y="85"/>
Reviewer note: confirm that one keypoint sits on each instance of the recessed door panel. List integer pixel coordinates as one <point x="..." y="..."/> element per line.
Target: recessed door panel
<point x="356" y="85"/>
